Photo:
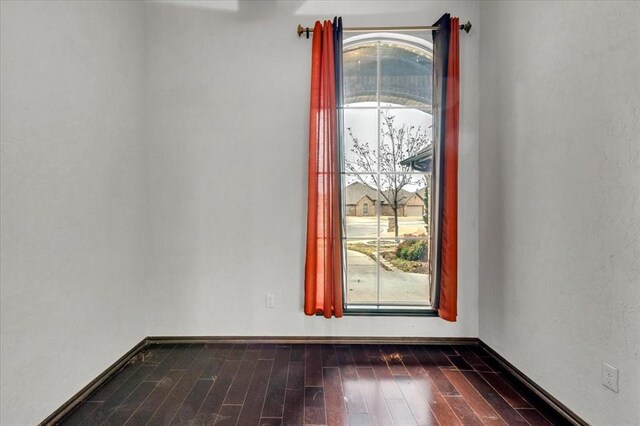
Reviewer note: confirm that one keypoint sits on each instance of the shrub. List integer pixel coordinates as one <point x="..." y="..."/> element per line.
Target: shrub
<point x="411" y="250"/>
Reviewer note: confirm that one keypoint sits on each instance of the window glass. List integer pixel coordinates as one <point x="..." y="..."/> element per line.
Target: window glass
<point x="386" y="200"/>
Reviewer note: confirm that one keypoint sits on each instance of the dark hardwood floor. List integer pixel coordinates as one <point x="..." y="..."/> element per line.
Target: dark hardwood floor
<point x="268" y="384"/>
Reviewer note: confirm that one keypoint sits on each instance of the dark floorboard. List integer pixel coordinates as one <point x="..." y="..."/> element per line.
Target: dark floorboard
<point x="268" y="384"/>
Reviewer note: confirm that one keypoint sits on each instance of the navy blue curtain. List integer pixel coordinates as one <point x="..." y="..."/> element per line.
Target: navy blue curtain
<point x="337" y="49"/>
<point x="441" y="38"/>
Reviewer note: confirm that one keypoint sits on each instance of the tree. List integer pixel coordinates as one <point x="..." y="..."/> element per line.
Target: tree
<point x="427" y="219"/>
<point x="427" y="208"/>
<point x="397" y="143"/>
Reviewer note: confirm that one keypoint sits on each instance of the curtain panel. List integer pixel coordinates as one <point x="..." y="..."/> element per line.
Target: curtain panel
<point x="323" y="266"/>
<point x="446" y="94"/>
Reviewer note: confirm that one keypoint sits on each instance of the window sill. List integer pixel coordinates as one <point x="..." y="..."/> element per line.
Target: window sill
<point x="390" y="311"/>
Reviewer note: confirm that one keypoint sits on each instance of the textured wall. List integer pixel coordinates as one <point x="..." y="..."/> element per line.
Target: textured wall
<point x="560" y="197"/>
<point x="228" y="96"/>
<point x="73" y="198"/>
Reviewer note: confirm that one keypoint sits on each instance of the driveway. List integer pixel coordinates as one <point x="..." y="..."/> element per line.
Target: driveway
<point x="395" y="287"/>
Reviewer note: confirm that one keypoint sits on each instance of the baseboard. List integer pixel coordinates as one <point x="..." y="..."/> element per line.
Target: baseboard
<point x="559" y="407"/>
<point x="77" y="399"/>
<point x="316" y="340"/>
<point x="107" y="374"/>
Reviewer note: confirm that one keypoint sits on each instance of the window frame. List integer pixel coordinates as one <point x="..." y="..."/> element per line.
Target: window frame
<point x="378" y="309"/>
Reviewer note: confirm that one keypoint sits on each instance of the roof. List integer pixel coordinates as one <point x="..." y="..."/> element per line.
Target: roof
<point x="403" y="196"/>
<point x="421" y="192"/>
<point x="356" y="190"/>
<point x="422" y="160"/>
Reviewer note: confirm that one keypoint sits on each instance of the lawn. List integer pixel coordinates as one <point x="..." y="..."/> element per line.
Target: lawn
<point x="389" y="254"/>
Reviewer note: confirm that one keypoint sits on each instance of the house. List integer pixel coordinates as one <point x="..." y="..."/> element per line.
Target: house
<point x="361" y="200"/>
<point x="137" y="135"/>
<point x="414" y="205"/>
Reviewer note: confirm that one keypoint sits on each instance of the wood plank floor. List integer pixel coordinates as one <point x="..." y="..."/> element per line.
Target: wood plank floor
<point x="268" y="384"/>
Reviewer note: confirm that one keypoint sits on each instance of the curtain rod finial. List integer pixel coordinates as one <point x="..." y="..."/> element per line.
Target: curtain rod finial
<point x="300" y="30"/>
<point x="466" y="27"/>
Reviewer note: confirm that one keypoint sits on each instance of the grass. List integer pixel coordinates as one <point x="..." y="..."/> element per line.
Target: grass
<point x="389" y="254"/>
<point x="405" y="265"/>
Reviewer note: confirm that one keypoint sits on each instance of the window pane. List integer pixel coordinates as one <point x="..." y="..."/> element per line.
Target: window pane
<point x="360" y="73"/>
<point x="386" y="166"/>
<point x="404" y="271"/>
<point x="361" y="270"/>
<point x="360" y="201"/>
<point x="403" y="202"/>
<point x="405" y="133"/>
<point x="360" y="140"/>
<point x="406" y="75"/>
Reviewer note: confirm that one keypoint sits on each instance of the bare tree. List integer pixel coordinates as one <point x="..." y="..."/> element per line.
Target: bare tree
<point x="397" y="143"/>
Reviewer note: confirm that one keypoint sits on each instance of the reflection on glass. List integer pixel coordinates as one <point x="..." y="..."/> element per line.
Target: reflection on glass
<point x="404" y="272"/>
<point x="360" y="73"/>
<point x="404" y="134"/>
<point x="405" y="74"/>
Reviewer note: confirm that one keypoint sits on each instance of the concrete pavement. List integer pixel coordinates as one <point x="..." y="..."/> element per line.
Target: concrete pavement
<point x="395" y="287"/>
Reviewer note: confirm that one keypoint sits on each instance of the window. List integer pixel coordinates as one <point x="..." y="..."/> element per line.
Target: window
<point x="386" y="159"/>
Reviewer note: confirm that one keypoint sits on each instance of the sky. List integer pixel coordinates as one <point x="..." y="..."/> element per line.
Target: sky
<point x="364" y="125"/>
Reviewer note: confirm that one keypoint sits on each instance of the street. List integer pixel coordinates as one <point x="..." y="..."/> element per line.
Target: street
<point x="365" y="226"/>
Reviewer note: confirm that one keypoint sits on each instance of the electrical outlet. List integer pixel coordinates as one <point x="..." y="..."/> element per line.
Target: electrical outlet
<point x="271" y="301"/>
<point x="610" y="377"/>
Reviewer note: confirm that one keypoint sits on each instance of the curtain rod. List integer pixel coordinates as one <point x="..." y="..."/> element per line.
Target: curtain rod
<point x="306" y="30"/>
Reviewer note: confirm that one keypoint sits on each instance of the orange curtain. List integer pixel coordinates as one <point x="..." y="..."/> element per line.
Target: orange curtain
<point x="448" y="309"/>
<point x="323" y="268"/>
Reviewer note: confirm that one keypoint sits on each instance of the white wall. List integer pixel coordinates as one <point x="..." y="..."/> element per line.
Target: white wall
<point x="228" y="96"/>
<point x="560" y="198"/>
<point x="73" y="198"/>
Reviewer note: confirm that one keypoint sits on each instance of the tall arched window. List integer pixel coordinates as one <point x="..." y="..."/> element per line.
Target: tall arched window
<point x="387" y="125"/>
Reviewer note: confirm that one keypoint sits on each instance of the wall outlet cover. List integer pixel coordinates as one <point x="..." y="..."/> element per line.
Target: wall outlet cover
<point x="610" y="377"/>
<point x="271" y="301"/>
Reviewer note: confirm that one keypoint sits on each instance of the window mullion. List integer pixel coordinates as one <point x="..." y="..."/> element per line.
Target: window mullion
<point x="379" y="212"/>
